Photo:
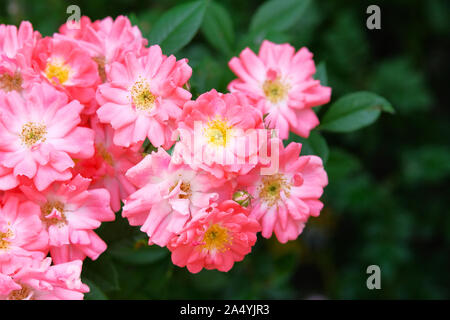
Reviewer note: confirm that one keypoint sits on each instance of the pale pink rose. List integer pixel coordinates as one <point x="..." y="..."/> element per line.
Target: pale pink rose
<point x="68" y="67"/>
<point x="106" y="40"/>
<point x="17" y="74"/>
<point x="38" y="280"/>
<point x="22" y="233"/>
<point x="215" y="133"/>
<point x="70" y="212"/>
<point x="168" y="196"/>
<point x="109" y="164"/>
<point x="280" y="82"/>
<point x="39" y="135"/>
<point x="16" y="49"/>
<point x="216" y="238"/>
<point x="283" y="201"/>
<point x="7" y="179"/>
<point x="143" y="97"/>
<point x="13" y="40"/>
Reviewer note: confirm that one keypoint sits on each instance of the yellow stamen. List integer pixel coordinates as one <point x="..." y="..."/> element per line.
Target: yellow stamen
<point x="103" y="152"/>
<point x="4" y="237"/>
<point x="141" y="95"/>
<point x="101" y="61"/>
<point x="275" y="91"/>
<point x="33" y="133"/>
<point x="11" y="82"/>
<point x="271" y="188"/>
<point x="216" y="132"/>
<point x="21" y="294"/>
<point x="185" y="187"/>
<point x="47" y="208"/>
<point x="58" y="70"/>
<point x="216" y="238"/>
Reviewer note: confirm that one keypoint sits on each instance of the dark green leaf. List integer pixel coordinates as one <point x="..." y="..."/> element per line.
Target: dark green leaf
<point x="354" y="111"/>
<point x="314" y="145"/>
<point x="102" y="272"/>
<point x="178" y="26"/>
<point x="218" y="28"/>
<point x="131" y="253"/>
<point x="278" y="15"/>
<point x="95" y="293"/>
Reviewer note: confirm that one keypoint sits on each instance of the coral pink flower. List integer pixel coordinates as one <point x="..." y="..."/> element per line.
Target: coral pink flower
<point x="143" y="97"/>
<point x="215" y="238"/>
<point x="106" y="40"/>
<point x="38" y="280"/>
<point x="70" y="212"/>
<point x="16" y="48"/>
<point x="215" y="133"/>
<point x="67" y="66"/>
<point x="17" y="74"/>
<point x="39" y="134"/>
<point x="279" y="81"/>
<point x="21" y="230"/>
<point x="12" y="40"/>
<point x="177" y="193"/>
<point x="283" y="201"/>
<point x="7" y="179"/>
<point x="109" y="164"/>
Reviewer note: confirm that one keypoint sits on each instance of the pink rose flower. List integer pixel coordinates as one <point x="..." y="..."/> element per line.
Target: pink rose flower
<point x="21" y="231"/>
<point x="143" y="97"/>
<point x="283" y="201"/>
<point x="280" y="83"/>
<point x="39" y="135"/>
<point x="70" y="212"/>
<point x="68" y="67"/>
<point x="109" y="164"/>
<point x="216" y="132"/>
<point x="177" y="193"/>
<point x="38" y="280"/>
<point x="215" y="238"/>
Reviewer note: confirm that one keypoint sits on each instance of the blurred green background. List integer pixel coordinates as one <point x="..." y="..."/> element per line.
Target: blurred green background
<point x="387" y="200"/>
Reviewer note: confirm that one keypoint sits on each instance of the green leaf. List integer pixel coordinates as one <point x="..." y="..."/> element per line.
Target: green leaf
<point x="178" y="26"/>
<point x="354" y="111"/>
<point x="218" y="28"/>
<point x="130" y="253"/>
<point x="321" y="74"/>
<point x="278" y="15"/>
<point x="95" y="293"/>
<point x="102" y="272"/>
<point x="341" y="164"/>
<point x="315" y="144"/>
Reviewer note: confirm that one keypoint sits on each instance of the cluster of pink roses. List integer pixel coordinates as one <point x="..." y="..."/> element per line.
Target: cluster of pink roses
<point x="75" y="110"/>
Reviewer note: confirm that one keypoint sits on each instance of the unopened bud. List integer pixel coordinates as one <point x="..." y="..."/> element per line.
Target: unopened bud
<point x="242" y="197"/>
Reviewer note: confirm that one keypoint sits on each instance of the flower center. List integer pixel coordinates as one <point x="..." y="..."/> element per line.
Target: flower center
<point x="271" y="188"/>
<point x="216" y="132"/>
<point x="141" y="95"/>
<point x="216" y="238"/>
<point x="185" y="187"/>
<point x="4" y="237"/>
<point x="58" y="70"/>
<point x="32" y="133"/>
<point x="105" y="154"/>
<point x="101" y="61"/>
<point x="59" y="219"/>
<point x="24" y="293"/>
<point x="274" y="90"/>
<point x="11" y="82"/>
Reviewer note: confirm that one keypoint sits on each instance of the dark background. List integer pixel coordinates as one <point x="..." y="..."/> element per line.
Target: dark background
<point x="387" y="200"/>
